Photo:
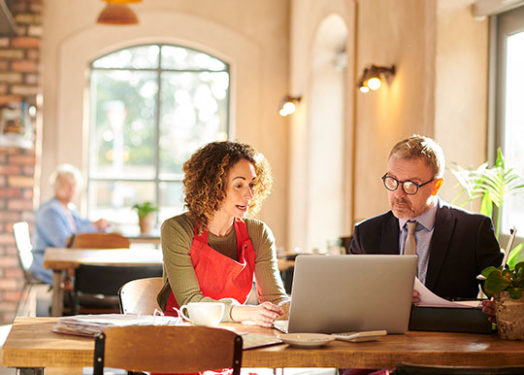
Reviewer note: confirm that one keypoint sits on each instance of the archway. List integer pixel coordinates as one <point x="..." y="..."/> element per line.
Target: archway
<point x="326" y="134"/>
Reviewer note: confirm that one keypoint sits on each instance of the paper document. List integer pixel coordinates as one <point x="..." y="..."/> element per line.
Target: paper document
<point x="91" y="325"/>
<point x="430" y="299"/>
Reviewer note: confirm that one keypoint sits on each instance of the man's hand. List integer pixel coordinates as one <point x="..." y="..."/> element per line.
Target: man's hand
<point x="488" y="307"/>
<point x="101" y="225"/>
<point x="416" y="297"/>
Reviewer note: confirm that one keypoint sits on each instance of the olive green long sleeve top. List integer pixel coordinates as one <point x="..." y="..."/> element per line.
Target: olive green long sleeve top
<point x="177" y="234"/>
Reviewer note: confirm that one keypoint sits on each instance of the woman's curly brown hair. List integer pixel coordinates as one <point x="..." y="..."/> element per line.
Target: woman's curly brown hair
<point x="205" y="178"/>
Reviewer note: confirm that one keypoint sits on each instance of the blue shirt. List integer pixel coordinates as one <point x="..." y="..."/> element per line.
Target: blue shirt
<point x="423" y="233"/>
<point x="52" y="229"/>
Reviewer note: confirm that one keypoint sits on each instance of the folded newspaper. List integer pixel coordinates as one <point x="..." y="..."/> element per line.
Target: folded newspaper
<point x="91" y="325"/>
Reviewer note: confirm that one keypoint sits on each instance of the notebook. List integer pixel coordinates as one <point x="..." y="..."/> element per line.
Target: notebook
<point x="346" y="293"/>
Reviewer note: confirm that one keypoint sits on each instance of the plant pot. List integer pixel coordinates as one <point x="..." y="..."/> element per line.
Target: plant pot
<point x="146" y="224"/>
<point x="510" y="316"/>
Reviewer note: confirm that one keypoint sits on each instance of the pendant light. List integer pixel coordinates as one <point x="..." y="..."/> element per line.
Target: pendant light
<point x="117" y="12"/>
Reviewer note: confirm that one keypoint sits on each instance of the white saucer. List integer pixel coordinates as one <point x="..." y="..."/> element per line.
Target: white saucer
<point x="306" y="340"/>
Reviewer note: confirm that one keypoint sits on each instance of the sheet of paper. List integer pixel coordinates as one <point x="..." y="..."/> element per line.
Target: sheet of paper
<point x="91" y="325"/>
<point x="430" y="299"/>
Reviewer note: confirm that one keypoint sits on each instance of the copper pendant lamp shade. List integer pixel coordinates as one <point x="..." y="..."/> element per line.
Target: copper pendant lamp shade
<point x="122" y="1"/>
<point x="117" y="13"/>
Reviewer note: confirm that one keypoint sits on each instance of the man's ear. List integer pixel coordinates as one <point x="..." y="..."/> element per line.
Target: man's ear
<point x="437" y="186"/>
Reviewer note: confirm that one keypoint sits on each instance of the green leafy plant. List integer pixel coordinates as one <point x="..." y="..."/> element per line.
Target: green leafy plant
<point x="492" y="185"/>
<point x="500" y="279"/>
<point x="145" y="208"/>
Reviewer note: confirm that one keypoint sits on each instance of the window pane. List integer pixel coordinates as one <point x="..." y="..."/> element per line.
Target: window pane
<point x="513" y="215"/>
<point x="143" y="57"/>
<point x="180" y="58"/>
<point x="139" y="138"/>
<point x="193" y="113"/>
<point x="112" y="200"/>
<point x="171" y="200"/>
<point x="123" y="131"/>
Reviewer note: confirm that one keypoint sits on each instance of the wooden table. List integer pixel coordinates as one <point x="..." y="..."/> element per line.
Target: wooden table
<point x="60" y="259"/>
<point x="31" y="344"/>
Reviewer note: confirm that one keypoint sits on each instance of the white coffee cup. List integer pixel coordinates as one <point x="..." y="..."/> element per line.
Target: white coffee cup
<point x="203" y="313"/>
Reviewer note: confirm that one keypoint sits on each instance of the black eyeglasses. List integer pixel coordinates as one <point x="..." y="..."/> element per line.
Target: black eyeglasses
<point x="408" y="186"/>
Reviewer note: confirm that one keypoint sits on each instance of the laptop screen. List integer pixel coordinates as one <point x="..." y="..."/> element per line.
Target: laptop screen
<point x="345" y="293"/>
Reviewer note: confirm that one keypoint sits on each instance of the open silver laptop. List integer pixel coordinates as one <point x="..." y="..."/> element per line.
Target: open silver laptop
<point x="344" y="293"/>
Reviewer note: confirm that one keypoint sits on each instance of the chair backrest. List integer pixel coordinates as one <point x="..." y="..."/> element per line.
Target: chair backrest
<point x="139" y="296"/>
<point x="345" y="242"/>
<point x="407" y="369"/>
<point x="167" y="349"/>
<point x="23" y="245"/>
<point x="99" y="241"/>
<point x="107" y="280"/>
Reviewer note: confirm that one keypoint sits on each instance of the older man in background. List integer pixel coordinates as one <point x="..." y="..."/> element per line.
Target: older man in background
<point x="56" y="220"/>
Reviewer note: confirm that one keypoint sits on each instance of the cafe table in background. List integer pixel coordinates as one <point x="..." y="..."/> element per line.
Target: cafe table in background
<point x="60" y="259"/>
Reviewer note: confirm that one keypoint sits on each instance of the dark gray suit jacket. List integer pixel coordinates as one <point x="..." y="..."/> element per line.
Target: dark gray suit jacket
<point x="462" y="245"/>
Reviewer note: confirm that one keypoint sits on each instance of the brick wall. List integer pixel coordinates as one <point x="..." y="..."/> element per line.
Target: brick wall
<point x="19" y="81"/>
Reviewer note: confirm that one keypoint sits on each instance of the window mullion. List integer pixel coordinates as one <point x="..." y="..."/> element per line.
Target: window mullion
<point x="157" y="129"/>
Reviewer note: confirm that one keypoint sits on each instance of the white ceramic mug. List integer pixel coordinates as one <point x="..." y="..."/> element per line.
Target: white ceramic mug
<point x="203" y="313"/>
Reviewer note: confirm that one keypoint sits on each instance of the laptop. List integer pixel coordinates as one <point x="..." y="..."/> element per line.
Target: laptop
<point x="346" y="293"/>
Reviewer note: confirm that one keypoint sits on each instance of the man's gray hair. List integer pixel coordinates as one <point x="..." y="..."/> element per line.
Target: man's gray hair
<point x="425" y="148"/>
<point x="65" y="170"/>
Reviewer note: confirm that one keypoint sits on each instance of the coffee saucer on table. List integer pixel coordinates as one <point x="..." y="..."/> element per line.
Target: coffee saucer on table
<point x="306" y="340"/>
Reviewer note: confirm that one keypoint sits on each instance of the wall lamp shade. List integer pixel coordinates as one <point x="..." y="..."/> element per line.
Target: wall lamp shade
<point x="374" y="76"/>
<point x="116" y="13"/>
<point x="288" y="104"/>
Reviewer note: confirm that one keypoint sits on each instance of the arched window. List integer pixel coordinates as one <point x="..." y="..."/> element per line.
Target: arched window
<point x="151" y="107"/>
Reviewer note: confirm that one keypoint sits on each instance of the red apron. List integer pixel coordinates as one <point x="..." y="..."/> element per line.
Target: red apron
<point x="218" y="275"/>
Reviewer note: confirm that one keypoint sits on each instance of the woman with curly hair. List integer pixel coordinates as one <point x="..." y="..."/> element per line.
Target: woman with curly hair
<point x="212" y="252"/>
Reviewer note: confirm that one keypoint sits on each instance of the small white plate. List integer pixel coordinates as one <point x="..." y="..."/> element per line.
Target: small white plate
<point x="306" y="340"/>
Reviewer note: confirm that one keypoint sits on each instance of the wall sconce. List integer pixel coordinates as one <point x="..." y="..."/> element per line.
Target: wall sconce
<point x="373" y="77"/>
<point x="116" y="12"/>
<point x="288" y="104"/>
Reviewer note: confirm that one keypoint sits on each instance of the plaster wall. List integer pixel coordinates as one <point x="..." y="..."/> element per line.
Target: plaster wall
<point x="253" y="37"/>
<point x="461" y="86"/>
<point x="399" y="33"/>
<point x="440" y="90"/>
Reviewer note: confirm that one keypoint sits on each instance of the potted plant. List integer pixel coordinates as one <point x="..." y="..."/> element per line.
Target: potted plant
<point x="145" y="216"/>
<point x="492" y="185"/>
<point x="505" y="283"/>
<point x="506" y="286"/>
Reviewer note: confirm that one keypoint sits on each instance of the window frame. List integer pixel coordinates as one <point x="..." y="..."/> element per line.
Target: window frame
<point x="498" y="30"/>
<point x="157" y="180"/>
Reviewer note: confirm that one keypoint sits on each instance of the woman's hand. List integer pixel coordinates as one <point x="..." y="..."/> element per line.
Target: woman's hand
<point x="285" y="309"/>
<point x="264" y="314"/>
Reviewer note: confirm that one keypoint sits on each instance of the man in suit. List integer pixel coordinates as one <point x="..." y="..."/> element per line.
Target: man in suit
<point x="453" y="246"/>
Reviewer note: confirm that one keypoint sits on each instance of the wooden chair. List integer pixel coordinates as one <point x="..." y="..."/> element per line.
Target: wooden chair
<point x="407" y="369"/>
<point x="167" y="349"/>
<point x="345" y="242"/>
<point x="27" y="302"/>
<point x="98" y="241"/>
<point x="139" y="296"/>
